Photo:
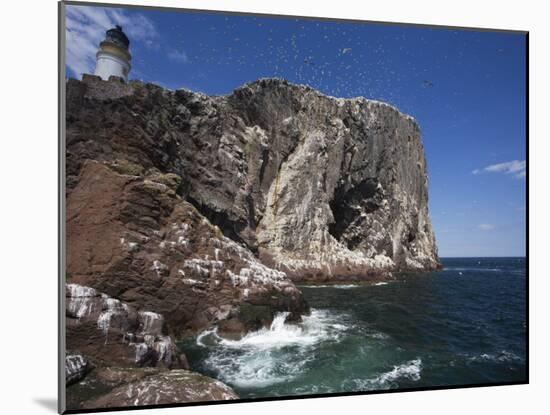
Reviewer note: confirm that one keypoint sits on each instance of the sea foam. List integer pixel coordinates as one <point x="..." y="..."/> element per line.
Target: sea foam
<point x="337" y="286"/>
<point x="410" y="370"/>
<point x="270" y="355"/>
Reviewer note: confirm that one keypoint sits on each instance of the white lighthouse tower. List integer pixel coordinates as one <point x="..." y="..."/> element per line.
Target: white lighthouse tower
<point x="113" y="57"/>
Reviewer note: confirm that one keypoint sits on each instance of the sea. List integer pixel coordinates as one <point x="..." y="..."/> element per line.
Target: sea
<point x="463" y="325"/>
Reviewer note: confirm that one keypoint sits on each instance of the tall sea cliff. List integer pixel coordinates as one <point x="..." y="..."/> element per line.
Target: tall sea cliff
<point x="187" y="211"/>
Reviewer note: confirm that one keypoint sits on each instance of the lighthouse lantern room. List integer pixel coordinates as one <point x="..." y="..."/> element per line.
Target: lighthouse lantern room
<point x="113" y="57"/>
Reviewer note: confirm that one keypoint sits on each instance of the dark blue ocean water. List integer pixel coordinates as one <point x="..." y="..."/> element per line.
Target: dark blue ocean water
<point x="463" y="325"/>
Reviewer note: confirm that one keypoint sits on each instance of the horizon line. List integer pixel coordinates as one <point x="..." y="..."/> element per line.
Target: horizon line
<point x="491" y="256"/>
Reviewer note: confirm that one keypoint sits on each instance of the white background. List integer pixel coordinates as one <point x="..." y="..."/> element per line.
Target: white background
<point x="28" y="207"/>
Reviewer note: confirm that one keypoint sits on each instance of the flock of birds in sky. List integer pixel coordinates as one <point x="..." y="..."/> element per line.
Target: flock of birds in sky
<point x="335" y="58"/>
<point x="445" y="79"/>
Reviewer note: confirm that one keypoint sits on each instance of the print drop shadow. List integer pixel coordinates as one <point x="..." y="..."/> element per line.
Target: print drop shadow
<point x="48" y="403"/>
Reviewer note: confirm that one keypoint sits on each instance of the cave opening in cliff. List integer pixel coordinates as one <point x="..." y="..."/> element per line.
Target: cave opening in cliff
<point x="347" y="206"/>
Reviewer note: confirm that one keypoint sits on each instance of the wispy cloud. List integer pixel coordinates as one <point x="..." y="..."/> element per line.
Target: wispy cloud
<point x="514" y="167"/>
<point x="178" y="56"/>
<point x="486" y="227"/>
<point x="86" y="26"/>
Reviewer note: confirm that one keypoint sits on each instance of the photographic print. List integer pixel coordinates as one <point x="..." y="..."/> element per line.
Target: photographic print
<point x="259" y="207"/>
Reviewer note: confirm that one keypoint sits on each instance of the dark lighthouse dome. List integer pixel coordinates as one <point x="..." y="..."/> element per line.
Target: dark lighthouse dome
<point x="117" y="36"/>
<point x="113" y="57"/>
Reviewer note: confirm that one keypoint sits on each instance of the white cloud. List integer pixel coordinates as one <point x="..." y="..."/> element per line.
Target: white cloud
<point x="521" y="175"/>
<point x="517" y="168"/>
<point x="486" y="227"/>
<point x="136" y="26"/>
<point x="178" y="56"/>
<point x="86" y="26"/>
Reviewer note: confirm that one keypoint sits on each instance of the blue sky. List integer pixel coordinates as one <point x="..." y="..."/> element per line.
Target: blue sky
<point x="466" y="90"/>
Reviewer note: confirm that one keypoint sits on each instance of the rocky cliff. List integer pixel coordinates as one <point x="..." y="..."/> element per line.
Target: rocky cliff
<point x="132" y="237"/>
<point x="132" y="358"/>
<point x="186" y="211"/>
<point x="317" y="187"/>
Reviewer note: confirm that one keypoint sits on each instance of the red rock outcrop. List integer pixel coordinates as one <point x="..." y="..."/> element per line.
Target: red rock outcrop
<point x="135" y="239"/>
<point x="103" y="331"/>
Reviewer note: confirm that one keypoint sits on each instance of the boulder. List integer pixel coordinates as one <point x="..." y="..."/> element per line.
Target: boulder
<point x="76" y="368"/>
<point x="167" y="387"/>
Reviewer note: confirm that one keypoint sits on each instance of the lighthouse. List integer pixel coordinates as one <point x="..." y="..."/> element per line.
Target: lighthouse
<point x="113" y="57"/>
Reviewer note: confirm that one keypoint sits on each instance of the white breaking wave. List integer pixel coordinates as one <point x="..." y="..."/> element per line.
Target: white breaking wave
<point x="338" y="286"/>
<point x="313" y="329"/>
<point x="205" y="334"/>
<point x="345" y="286"/>
<point x="503" y="356"/>
<point x="472" y="269"/>
<point x="378" y="335"/>
<point x="262" y="358"/>
<point x="410" y="370"/>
